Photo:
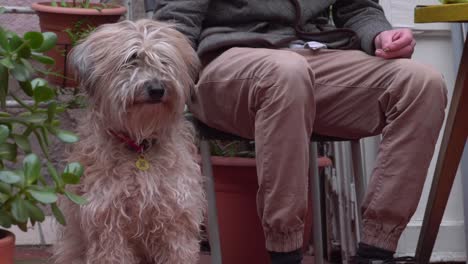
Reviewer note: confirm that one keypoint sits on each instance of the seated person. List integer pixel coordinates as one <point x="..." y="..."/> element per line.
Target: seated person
<point x="278" y="70"/>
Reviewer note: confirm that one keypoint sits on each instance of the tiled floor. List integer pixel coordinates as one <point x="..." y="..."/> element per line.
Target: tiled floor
<point x="39" y="255"/>
<point x="44" y="234"/>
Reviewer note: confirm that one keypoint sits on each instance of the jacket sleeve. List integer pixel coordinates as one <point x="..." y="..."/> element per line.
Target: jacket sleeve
<point x="187" y="14"/>
<point x="365" y="17"/>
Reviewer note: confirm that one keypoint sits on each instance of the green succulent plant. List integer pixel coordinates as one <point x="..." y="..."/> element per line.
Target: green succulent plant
<point x="25" y="189"/>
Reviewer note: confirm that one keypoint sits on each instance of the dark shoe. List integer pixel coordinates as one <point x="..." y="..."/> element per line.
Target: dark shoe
<point x="293" y="257"/>
<point x="398" y="260"/>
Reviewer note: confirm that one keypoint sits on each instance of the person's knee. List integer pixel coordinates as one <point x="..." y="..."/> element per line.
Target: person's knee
<point x="288" y="78"/>
<point x="419" y="83"/>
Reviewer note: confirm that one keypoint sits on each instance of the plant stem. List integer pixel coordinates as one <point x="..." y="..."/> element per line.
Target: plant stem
<point x="41" y="143"/>
<point x="19" y="101"/>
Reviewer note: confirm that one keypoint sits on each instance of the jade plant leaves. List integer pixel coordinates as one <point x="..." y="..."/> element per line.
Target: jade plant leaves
<point x="46" y="197"/>
<point x="32" y="168"/>
<point x="72" y="173"/>
<point x="50" y="39"/>
<point x="35" y="39"/>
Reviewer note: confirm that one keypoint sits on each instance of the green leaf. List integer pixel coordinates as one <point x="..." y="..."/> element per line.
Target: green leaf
<point x="2" y="10"/>
<point x="7" y="62"/>
<point x="53" y="3"/>
<point x="44" y="196"/>
<point x="51" y="110"/>
<point x="3" y="198"/>
<point x="58" y="214"/>
<point x="23" y="226"/>
<point x="43" y="59"/>
<point x="28" y="65"/>
<point x="3" y="85"/>
<point x="76" y="198"/>
<point x="38" y="82"/>
<point x="24" y="52"/>
<point x="35" y="118"/>
<point x="23" y="143"/>
<point x="32" y="168"/>
<point x="19" y="210"/>
<point x="53" y="173"/>
<point x="15" y="41"/>
<point x="26" y="87"/>
<point x="50" y="39"/>
<point x="72" y="173"/>
<point x="4" y="44"/>
<point x="5" y="219"/>
<point x="43" y="93"/>
<point x="9" y="177"/>
<point x="4" y="133"/>
<point x="35" y="39"/>
<point x="34" y="212"/>
<point x="8" y="151"/>
<point x="5" y="188"/>
<point x="21" y="73"/>
<point x="66" y="136"/>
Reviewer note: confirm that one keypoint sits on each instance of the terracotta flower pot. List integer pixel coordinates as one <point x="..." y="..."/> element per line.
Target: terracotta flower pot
<point x="58" y="19"/>
<point x="7" y="247"/>
<point x="241" y="233"/>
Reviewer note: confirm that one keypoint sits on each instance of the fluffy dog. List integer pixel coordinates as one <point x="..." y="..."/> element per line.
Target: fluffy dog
<point x="142" y="180"/>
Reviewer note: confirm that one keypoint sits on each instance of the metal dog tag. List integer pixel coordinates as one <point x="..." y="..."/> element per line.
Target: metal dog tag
<point x="142" y="164"/>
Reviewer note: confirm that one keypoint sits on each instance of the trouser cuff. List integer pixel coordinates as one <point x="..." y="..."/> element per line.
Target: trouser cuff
<point x="284" y="242"/>
<point x="381" y="236"/>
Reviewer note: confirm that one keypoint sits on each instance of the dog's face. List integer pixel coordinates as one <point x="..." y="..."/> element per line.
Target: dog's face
<point x="138" y="74"/>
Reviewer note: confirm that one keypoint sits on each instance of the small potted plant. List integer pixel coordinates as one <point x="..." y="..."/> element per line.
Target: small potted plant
<point x="69" y="20"/>
<point x="25" y="191"/>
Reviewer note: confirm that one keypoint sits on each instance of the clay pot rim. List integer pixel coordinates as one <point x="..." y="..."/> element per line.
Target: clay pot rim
<point x="250" y="162"/>
<point x="233" y="161"/>
<point x="45" y="7"/>
<point x="6" y="238"/>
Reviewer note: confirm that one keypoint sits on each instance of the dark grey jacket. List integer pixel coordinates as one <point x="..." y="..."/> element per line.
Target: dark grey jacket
<point x="214" y="25"/>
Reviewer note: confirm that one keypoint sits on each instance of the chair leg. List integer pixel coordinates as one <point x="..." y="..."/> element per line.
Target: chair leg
<point x="213" y="227"/>
<point x="314" y="179"/>
<point x="339" y="173"/>
<point x="358" y="167"/>
<point x="359" y="180"/>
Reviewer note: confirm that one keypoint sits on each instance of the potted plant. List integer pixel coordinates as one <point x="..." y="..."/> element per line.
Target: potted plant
<point x="25" y="191"/>
<point x="69" y="20"/>
<point x="235" y="177"/>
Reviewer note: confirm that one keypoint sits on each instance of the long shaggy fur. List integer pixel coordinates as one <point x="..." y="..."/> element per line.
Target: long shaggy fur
<point x="134" y="216"/>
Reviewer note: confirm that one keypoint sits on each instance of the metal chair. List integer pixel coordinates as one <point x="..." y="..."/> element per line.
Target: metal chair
<point x="207" y="133"/>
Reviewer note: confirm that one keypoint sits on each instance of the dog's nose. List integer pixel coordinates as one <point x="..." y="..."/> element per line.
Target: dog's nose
<point x="155" y="90"/>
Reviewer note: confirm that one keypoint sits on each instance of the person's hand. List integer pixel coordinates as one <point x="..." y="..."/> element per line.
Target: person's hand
<point x="396" y="43"/>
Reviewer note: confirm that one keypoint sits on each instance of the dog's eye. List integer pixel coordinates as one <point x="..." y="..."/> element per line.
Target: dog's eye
<point x="132" y="59"/>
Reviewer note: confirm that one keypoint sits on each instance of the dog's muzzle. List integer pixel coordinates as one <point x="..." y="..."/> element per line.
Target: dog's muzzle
<point x="155" y="90"/>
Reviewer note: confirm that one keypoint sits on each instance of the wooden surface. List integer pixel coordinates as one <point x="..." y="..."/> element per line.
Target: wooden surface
<point x="451" y="150"/>
<point x="441" y="13"/>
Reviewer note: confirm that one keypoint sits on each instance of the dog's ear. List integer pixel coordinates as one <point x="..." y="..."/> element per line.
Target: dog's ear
<point x="80" y="63"/>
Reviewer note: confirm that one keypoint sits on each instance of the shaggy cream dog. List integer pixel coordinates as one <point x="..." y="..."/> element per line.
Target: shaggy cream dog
<point x="142" y="180"/>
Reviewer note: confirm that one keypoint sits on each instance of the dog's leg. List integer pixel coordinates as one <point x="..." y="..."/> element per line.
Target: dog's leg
<point x="105" y="232"/>
<point x="70" y="245"/>
<point x="180" y="243"/>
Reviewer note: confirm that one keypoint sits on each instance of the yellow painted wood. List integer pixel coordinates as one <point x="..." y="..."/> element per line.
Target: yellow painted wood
<point x="441" y="13"/>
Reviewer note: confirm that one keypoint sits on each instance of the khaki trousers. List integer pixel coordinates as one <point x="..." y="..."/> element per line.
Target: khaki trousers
<point x="279" y="97"/>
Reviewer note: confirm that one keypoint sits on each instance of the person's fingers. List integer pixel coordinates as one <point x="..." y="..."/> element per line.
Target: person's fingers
<point x="399" y="41"/>
<point x="385" y="38"/>
<point x="405" y="52"/>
